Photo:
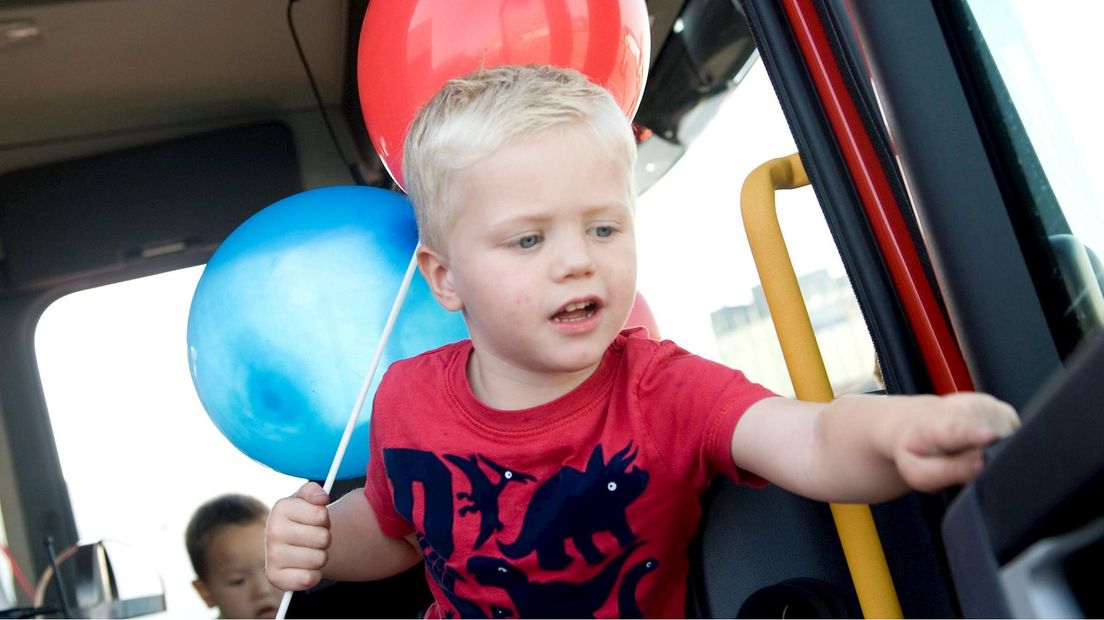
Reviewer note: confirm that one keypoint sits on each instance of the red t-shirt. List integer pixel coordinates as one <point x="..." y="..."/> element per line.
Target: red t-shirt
<point x="580" y="507"/>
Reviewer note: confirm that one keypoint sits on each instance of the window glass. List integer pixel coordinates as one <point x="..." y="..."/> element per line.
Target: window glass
<point x="137" y="450"/>
<point x="695" y="267"/>
<point x="1040" y="54"/>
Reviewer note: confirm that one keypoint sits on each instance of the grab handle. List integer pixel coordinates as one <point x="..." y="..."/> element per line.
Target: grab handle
<point x="854" y="523"/>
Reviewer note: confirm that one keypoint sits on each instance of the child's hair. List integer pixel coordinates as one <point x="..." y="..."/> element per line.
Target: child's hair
<point x="473" y="116"/>
<point x="230" y="509"/>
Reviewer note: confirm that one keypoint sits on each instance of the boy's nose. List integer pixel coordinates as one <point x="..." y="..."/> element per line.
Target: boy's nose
<point x="574" y="259"/>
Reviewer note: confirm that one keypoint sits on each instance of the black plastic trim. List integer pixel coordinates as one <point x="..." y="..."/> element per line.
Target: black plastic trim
<point x="1045" y="480"/>
<point x="990" y="296"/>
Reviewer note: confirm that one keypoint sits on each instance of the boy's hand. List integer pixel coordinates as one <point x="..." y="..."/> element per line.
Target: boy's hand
<point x="297" y="539"/>
<point x="943" y="443"/>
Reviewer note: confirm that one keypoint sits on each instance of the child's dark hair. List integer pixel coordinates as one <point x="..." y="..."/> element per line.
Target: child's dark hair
<point x="229" y="509"/>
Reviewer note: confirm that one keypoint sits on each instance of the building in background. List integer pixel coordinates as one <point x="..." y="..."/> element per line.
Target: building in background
<point x="747" y="340"/>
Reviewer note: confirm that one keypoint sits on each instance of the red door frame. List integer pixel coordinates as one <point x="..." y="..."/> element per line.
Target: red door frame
<point x="934" y="335"/>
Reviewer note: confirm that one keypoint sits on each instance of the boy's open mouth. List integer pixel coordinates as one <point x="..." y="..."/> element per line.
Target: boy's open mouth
<point x="576" y="311"/>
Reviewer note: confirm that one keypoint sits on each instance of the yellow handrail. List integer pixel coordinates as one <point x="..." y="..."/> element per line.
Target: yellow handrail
<point x="854" y="523"/>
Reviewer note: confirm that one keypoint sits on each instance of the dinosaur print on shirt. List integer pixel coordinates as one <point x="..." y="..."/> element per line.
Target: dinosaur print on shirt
<point x="627" y="607"/>
<point x="576" y="505"/>
<point x="484" y="493"/>
<point x="570" y="504"/>
<point x="553" y="599"/>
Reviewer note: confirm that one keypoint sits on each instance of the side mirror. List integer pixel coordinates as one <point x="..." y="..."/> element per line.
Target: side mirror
<point x="87" y="587"/>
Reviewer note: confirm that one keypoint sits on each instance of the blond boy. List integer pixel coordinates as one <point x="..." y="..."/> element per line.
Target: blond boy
<point x="551" y="465"/>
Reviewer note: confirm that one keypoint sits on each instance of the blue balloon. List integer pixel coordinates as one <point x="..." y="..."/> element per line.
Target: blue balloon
<point x="287" y="316"/>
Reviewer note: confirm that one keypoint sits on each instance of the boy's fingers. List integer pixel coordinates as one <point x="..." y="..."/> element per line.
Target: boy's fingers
<point x="299" y="511"/>
<point x="313" y="493"/>
<point x="292" y="557"/>
<point x="971" y="421"/>
<point x="315" y="537"/>
<point x="293" y="579"/>
<point x="960" y="435"/>
<point x="985" y="410"/>
<point x="937" y="472"/>
<point x="1005" y="419"/>
<point x="291" y="567"/>
<point x="297" y="538"/>
<point x="949" y="437"/>
<point x="299" y="535"/>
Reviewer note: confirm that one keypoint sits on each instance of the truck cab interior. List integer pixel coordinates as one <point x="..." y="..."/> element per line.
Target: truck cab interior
<point x="138" y="134"/>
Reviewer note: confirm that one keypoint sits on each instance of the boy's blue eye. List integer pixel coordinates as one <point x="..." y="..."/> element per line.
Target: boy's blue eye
<point x="603" y="231"/>
<point x="528" y="241"/>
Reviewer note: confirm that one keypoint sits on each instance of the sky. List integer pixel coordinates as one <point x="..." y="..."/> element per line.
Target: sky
<point x="693" y="254"/>
<point x="139" y="453"/>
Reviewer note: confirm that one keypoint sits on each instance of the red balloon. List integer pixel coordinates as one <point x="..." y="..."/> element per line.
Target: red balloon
<point x="410" y="48"/>
<point x="641" y="316"/>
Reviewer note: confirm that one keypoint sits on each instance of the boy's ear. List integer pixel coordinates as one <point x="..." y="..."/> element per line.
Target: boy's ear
<point x="204" y="593"/>
<point x="436" y="272"/>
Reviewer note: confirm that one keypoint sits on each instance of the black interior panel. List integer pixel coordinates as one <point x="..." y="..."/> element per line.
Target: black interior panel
<point x="120" y="208"/>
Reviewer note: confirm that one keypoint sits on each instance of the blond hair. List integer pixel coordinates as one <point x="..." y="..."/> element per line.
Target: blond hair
<point x="474" y="116"/>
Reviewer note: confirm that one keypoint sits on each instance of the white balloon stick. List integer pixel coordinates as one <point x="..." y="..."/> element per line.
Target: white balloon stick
<point x="388" y="327"/>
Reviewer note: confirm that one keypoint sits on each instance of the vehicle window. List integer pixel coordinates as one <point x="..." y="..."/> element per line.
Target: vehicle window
<point x="695" y="268"/>
<point x="1033" y="57"/>
<point x="137" y="450"/>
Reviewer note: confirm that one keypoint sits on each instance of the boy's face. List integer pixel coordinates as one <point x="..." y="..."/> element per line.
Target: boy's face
<point x="542" y="254"/>
<point x="235" y="581"/>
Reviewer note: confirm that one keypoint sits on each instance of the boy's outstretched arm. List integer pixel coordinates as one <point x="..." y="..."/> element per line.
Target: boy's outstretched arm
<point x="306" y="540"/>
<point x="869" y="449"/>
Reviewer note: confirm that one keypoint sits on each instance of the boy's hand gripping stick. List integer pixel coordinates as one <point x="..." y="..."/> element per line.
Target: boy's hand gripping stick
<point x="344" y="443"/>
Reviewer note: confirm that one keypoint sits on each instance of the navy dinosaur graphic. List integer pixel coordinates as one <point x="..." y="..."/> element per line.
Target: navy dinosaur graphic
<point x="551" y="599"/>
<point x="446" y="579"/>
<point x="404" y="467"/>
<point x="627" y="606"/>
<point x="484" y="494"/>
<point x="577" y="505"/>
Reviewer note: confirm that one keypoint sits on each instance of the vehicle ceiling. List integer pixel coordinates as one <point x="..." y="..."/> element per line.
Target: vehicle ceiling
<point x="117" y="71"/>
<point x="84" y="75"/>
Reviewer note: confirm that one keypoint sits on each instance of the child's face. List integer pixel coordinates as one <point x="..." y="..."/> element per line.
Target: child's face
<point x="236" y="581"/>
<point x="542" y="253"/>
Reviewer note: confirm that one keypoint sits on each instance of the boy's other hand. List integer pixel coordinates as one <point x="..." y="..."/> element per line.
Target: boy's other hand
<point x="297" y="539"/>
<point x="943" y="444"/>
